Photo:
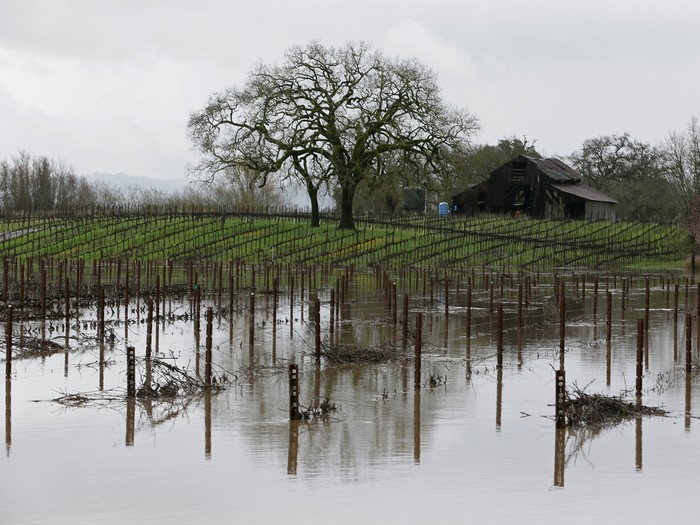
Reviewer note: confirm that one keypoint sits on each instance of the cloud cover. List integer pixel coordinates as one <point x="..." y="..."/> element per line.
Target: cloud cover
<point x="108" y="85"/>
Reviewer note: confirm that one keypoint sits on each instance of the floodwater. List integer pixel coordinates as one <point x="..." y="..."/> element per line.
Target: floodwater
<point x="481" y="447"/>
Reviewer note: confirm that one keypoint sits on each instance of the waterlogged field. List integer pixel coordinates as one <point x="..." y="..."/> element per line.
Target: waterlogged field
<point x="479" y="446"/>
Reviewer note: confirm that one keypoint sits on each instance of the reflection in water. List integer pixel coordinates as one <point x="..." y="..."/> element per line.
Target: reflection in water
<point x="207" y="424"/>
<point x="8" y="415"/>
<point x="130" y="421"/>
<point x="559" y="456"/>
<point x="416" y="426"/>
<point x="608" y="362"/>
<point x="293" y="447"/>
<point x="638" y="439"/>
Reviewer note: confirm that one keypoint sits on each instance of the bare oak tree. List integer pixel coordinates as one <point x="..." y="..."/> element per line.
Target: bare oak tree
<point x="329" y="115"/>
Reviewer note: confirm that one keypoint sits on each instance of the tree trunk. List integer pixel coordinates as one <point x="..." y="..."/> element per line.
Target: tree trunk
<point x="315" y="214"/>
<point x="347" y="222"/>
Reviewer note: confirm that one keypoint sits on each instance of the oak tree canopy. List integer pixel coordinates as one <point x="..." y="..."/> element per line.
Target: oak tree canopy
<point x="330" y="116"/>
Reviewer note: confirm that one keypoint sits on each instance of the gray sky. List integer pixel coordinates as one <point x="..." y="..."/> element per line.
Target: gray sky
<point x="107" y="86"/>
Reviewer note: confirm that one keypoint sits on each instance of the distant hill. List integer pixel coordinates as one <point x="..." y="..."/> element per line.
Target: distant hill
<point x="124" y="180"/>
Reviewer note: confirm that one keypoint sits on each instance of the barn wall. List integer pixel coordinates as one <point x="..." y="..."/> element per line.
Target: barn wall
<point x="600" y="210"/>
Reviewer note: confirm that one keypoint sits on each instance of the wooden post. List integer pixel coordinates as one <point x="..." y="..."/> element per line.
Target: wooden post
<point x="251" y="324"/>
<point x="640" y="356"/>
<point x="562" y="326"/>
<point x="609" y="316"/>
<point x="688" y="343"/>
<point x="560" y="414"/>
<point x="149" y="329"/>
<point x="130" y="371"/>
<point x="469" y="328"/>
<point x="405" y="319"/>
<point x="317" y="328"/>
<point x="293" y="392"/>
<point x="207" y="363"/>
<point x="8" y="343"/>
<point x="419" y="336"/>
<point x="499" y="337"/>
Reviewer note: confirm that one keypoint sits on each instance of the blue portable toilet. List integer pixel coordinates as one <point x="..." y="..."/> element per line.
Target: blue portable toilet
<point x="443" y="209"/>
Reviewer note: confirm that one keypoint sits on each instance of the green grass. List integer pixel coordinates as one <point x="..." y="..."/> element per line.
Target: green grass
<point x="391" y="242"/>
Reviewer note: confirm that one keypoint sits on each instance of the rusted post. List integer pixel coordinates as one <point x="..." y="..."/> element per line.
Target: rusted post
<point x="293" y="392"/>
<point x="207" y="363"/>
<point x="608" y="314"/>
<point x="405" y="319"/>
<point x="419" y="336"/>
<point x="688" y="344"/>
<point x="8" y="343"/>
<point x="317" y="328"/>
<point x="130" y="371"/>
<point x="562" y="326"/>
<point x="332" y="314"/>
<point x="469" y="328"/>
<point x="67" y="293"/>
<point x="499" y="337"/>
<point x="559" y="411"/>
<point x="149" y="329"/>
<point x="640" y="356"/>
<point x="251" y="323"/>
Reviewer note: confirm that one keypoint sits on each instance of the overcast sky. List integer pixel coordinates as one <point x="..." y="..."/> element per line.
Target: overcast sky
<point x="107" y="86"/>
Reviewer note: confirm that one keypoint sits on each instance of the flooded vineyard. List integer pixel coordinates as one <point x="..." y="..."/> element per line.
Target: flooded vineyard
<point x="166" y="394"/>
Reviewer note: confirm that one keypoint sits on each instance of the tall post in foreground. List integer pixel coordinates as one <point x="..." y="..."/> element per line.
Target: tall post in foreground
<point x="293" y="392"/>
<point x="207" y="365"/>
<point x="559" y="415"/>
<point x="8" y="343"/>
<point x="130" y="371"/>
<point x="419" y="336"/>
<point x="640" y="356"/>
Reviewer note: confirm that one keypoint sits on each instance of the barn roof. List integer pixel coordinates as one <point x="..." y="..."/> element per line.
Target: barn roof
<point x="585" y="192"/>
<point x="556" y="170"/>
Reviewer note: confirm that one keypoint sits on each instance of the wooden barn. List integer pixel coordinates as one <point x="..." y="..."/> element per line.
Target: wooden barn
<point x="537" y="188"/>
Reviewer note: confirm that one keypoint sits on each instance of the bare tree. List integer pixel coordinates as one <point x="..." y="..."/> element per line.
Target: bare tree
<point x="681" y="154"/>
<point x="329" y="115"/>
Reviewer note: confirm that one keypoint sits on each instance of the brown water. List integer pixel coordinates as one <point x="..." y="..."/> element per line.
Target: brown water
<point x="480" y="448"/>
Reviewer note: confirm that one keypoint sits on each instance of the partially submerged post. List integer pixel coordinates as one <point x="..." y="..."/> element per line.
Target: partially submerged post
<point x="640" y="356"/>
<point x="207" y="365"/>
<point x="130" y="371"/>
<point x="8" y="343"/>
<point x="688" y="343"/>
<point x="419" y="336"/>
<point x="499" y="335"/>
<point x="559" y="414"/>
<point x="293" y="392"/>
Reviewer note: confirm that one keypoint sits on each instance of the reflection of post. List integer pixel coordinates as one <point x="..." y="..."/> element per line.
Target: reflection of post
<point x="562" y="326"/>
<point x="207" y="424"/>
<point x="416" y="426"/>
<point x="293" y="447"/>
<point x="130" y="420"/>
<point x="8" y="415"/>
<point x="688" y="392"/>
<point x="638" y="440"/>
<point x="608" y="363"/>
<point x="499" y="396"/>
<point x="559" y="456"/>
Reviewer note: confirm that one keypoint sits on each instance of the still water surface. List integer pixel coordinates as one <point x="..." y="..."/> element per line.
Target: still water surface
<point x="479" y="448"/>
